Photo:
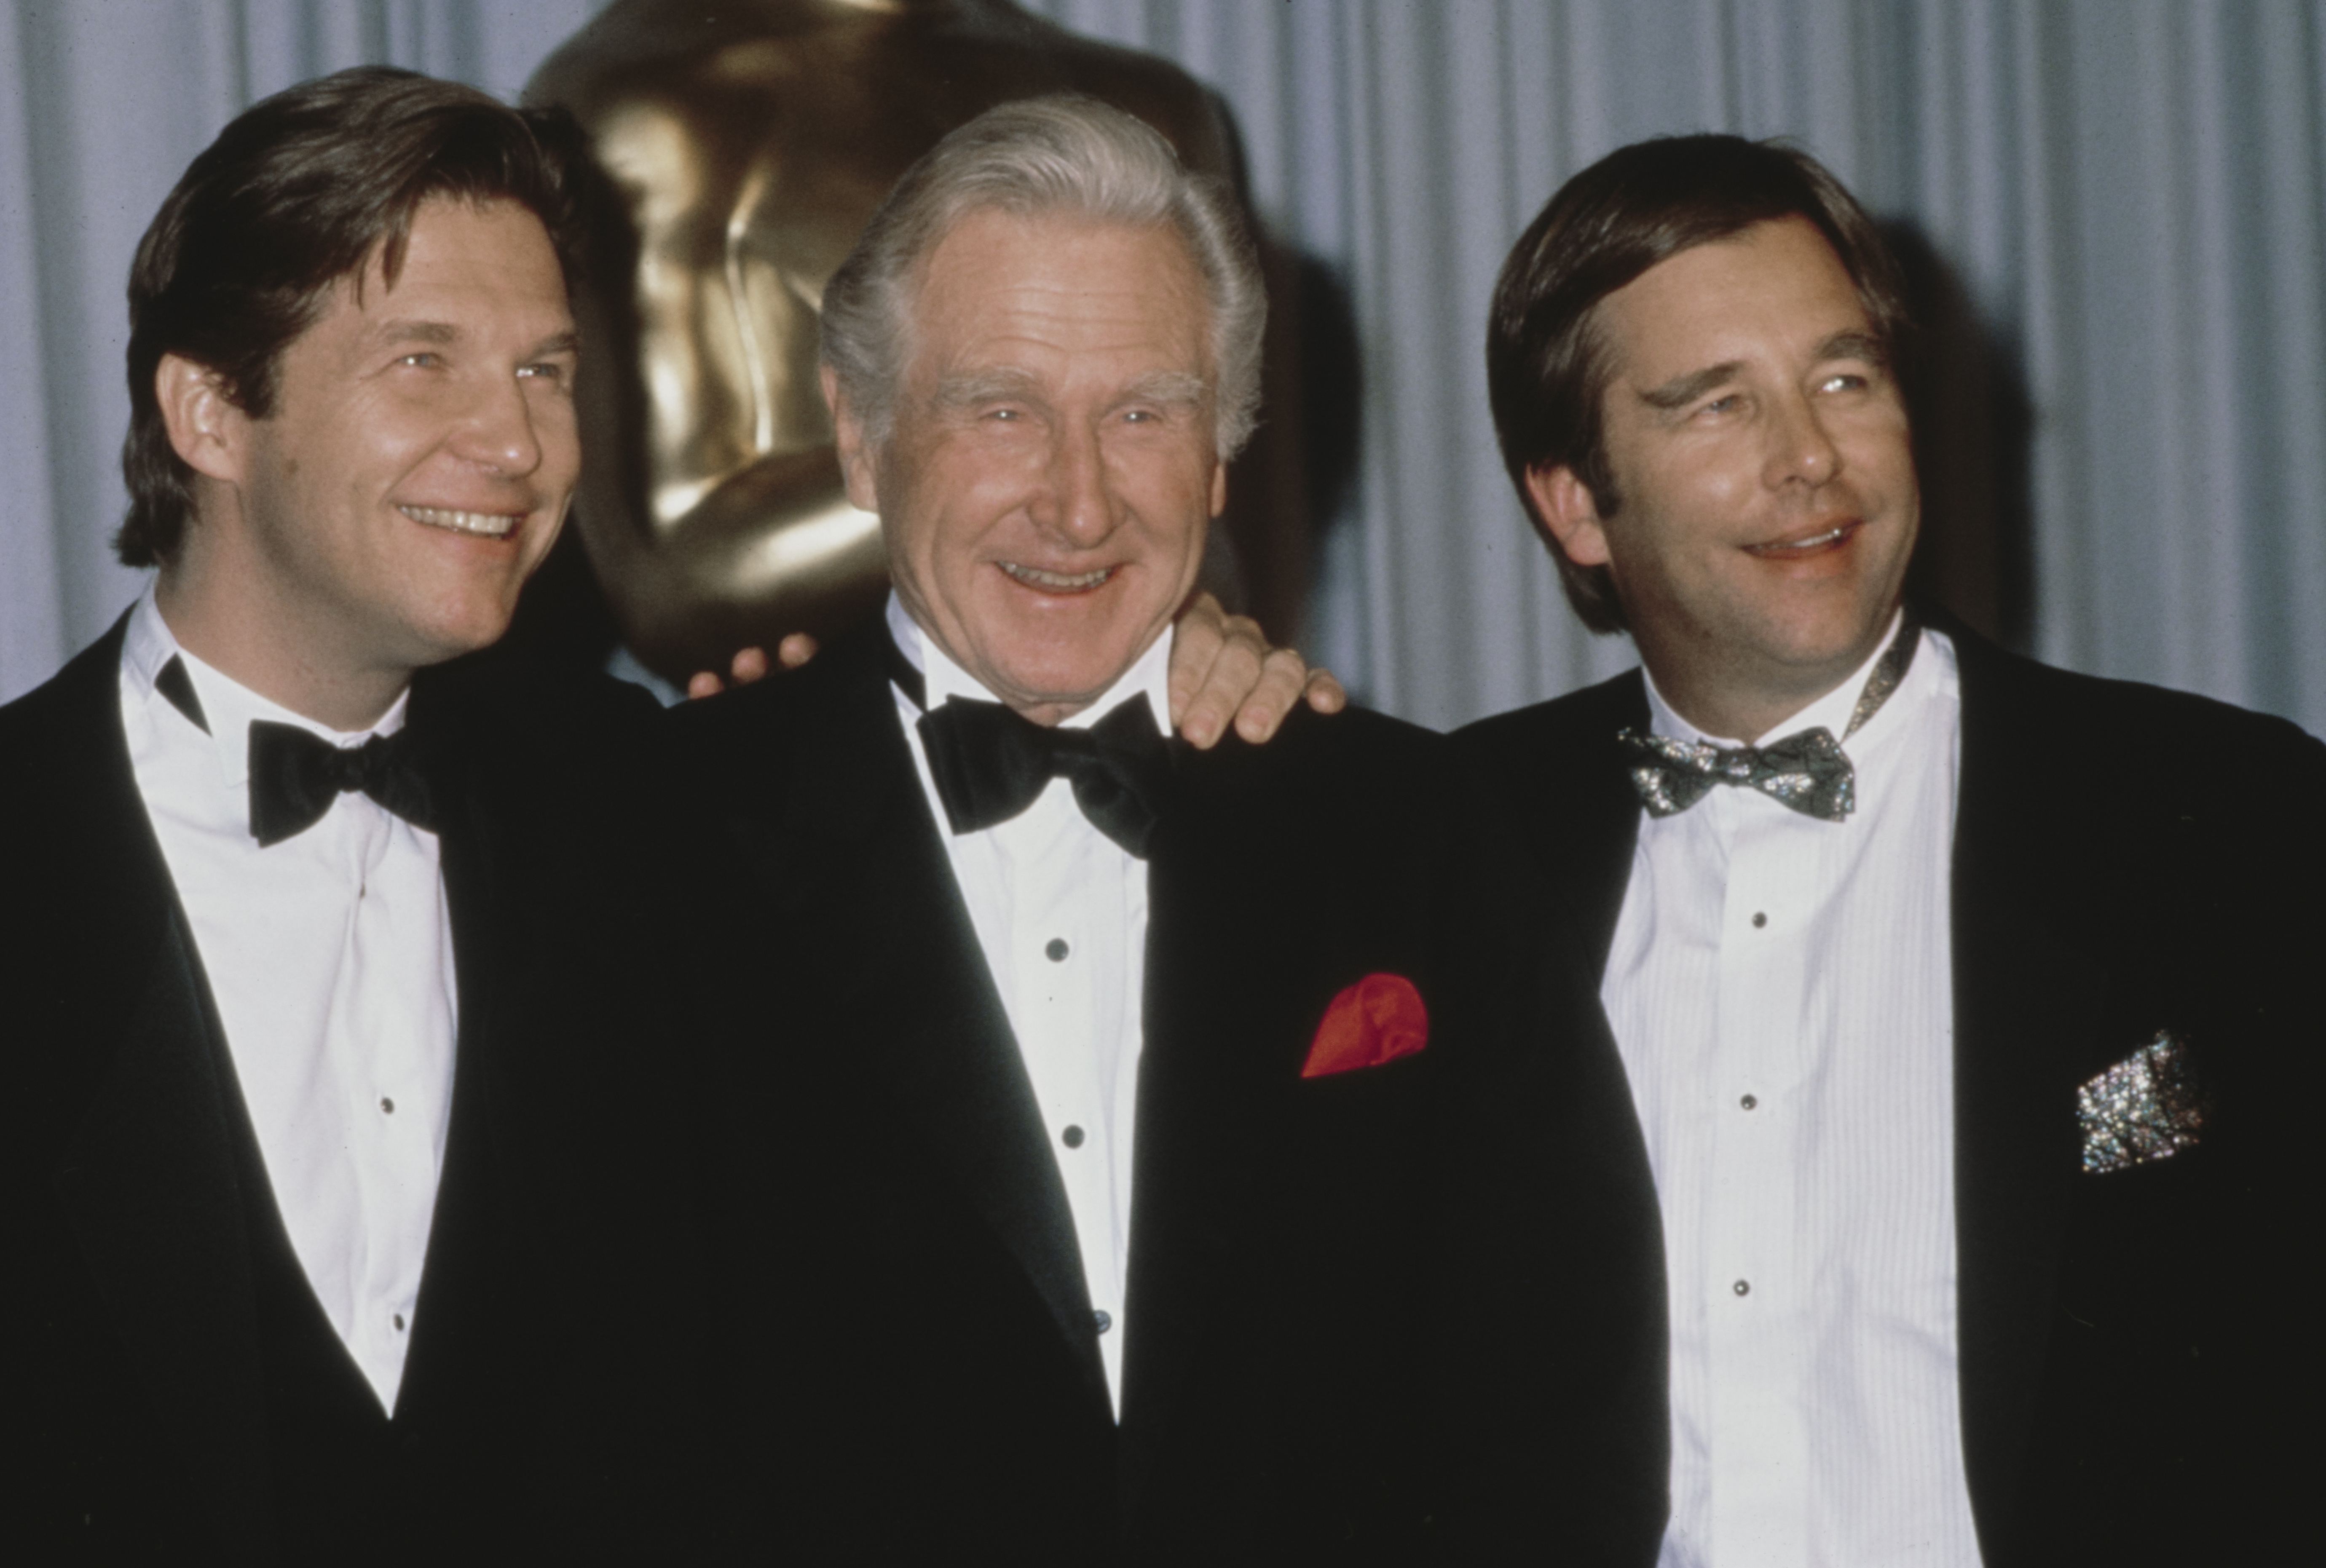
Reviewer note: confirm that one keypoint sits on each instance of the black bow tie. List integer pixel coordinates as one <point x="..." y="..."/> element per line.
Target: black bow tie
<point x="990" y="763"/>
<point x="295" y="775"/>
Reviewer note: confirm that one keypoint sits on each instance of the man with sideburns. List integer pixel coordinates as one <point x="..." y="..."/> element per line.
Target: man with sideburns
<point x="268" y="965"/>
<point x="351" y="1213"/>
<point x="1956" y="997"/>
<point x="1114" y="1049"/>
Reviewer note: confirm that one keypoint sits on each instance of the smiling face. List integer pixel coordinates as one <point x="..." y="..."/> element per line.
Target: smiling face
<point x="1046" y="487"/>
<point x="1760" y="448"/>
<point x="415" y="472"/>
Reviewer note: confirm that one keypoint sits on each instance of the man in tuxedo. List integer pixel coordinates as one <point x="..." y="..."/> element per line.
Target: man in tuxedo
<point x="1103" y="1062"/>
<point x="308" y="1208"/>
<point x="1957" y="995"/>
<point x="349" y="1211"/>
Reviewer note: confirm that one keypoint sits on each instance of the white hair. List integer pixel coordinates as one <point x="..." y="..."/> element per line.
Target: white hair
<point x="1061" y="154"/>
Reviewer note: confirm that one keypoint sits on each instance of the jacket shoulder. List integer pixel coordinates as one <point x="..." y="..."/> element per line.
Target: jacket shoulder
<point x="1357" y="756"/>
<point x="766" y="717"/>
<point x="66" y="697"/>
<point x="2186" y="751"/>
<point x="1523" y="734"/>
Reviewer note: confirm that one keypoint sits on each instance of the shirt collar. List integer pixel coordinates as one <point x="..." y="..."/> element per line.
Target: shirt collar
<point x="228" y="705"/>
<point x="1150" y="673"/>
<point x="1831" y="712"/>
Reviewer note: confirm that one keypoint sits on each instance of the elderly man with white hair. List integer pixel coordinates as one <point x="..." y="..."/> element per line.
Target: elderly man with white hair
<point x="1095" y="1100"/>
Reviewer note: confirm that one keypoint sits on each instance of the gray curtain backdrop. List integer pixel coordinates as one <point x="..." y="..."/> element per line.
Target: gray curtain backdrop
<point x="2120" y="206"/>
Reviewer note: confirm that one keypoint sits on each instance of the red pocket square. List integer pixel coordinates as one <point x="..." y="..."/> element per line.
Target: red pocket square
<point x="1378" y="1019"/>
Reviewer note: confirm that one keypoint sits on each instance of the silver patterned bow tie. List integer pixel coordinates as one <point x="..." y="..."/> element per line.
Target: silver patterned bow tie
<point x="1807" y="771"/>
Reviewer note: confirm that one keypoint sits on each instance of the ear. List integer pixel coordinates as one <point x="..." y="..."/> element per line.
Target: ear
<point x="857" y="460"/>
<point x="1219" y="488"/>
<point x="1566" y="509"/>
<point x="206" y="428"/>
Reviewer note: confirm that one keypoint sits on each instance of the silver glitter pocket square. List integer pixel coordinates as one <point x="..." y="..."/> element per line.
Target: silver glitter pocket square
<point x="2145" y="1108"/>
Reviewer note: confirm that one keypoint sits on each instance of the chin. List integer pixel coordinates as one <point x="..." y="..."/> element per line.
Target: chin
<point x="466" y="630"/>
<point x="1071" y="677"/>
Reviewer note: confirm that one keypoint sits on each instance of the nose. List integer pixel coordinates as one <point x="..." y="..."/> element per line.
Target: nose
<point x="1799" y="448"/>
<point x="1076" y="503"/>
<point x="499" y="431"/>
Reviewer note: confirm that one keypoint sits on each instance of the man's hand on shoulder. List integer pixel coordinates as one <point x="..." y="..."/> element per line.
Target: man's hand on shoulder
<point x="750" y="665"/>
<point x="1222" y="669"/>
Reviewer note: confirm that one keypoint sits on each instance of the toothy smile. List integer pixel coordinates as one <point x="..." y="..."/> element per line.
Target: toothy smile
<point x="489" y="524"/>
<point x="1810" y="545"/>
<point x="1056" y="581"/>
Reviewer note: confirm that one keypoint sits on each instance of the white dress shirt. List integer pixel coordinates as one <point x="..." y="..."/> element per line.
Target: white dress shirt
<point x="329" y="956"/>
<point x="1781" y="991"/>
<point x="1061" y="912"/>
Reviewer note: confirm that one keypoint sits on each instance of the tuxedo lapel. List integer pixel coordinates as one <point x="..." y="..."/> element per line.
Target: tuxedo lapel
<point x="1553" y="780"/>
<point x="1204" y="1109"/>
<point x="1592" y="821"/>
<point x="148" y="1180"/>
<point x="911" y="992"/>
<point x="449" y="1354"/>
<point x="2025" y="990"/>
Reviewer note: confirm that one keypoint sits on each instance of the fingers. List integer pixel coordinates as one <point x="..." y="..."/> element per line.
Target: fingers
<point x="1222" y="669"/>
<point x="1325" y="693"/>
<point x="1283" y="677"/>
<point x="1195" y="642"/>
<point x="748" y="665"/>
<point x="1236" y="674"/>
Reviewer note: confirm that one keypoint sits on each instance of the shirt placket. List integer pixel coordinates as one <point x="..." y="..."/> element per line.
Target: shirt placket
<point x="383" y="1028"/>
<point x="1757" y="1309"/>
<point x="1060" y="883"/>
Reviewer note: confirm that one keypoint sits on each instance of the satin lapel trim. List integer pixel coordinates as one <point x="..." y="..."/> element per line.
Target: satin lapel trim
<point x="444" y="1360"/>
<point x="1600" y="829"/>
<point x="941" y="1038"/>
<point x="2024" y="993"/>
<point x="1202" y="1114"/>
<point x="1564" y="792"/>
<point x="149" y="1178"/>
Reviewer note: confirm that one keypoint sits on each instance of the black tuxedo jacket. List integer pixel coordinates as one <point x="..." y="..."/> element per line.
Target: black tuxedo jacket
<point x="2135" y="1382"/>
<point x="173" y="1389"/>
<point x="939" y="1330"/>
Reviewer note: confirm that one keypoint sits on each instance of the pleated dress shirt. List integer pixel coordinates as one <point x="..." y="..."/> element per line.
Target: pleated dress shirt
<point x="329" y="955"/>
<point x="1780" y="990"/>
<point x="1060" y="912"/>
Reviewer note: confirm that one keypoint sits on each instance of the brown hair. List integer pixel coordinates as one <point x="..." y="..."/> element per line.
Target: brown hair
<point x="1546" y="369"/>
<point x="298" y="192"/>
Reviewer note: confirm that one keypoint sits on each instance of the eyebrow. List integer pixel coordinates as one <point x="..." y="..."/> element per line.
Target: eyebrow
<point x="1686" y="389"/>
<point x="1174" y="387"/>
<point x="418" y="332"/>
<point x="976" y="386"/>
<point x="1853" y="343"/>
<point x="1850" y="343"/>
<point x="443" y="333"/>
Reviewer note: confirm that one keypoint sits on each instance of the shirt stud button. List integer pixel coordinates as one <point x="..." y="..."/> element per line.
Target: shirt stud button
<point x="399" y="1323"/>
<point x="387" y="1105"/>
<point x="1057" y="950"/>
<point x="1759" y="920"/>
<point x="1102" y="1320"/>
<point x="1742" y="1287"/>
<point x="1074" y="1137"/>
<point x="1749" y="1101"/>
